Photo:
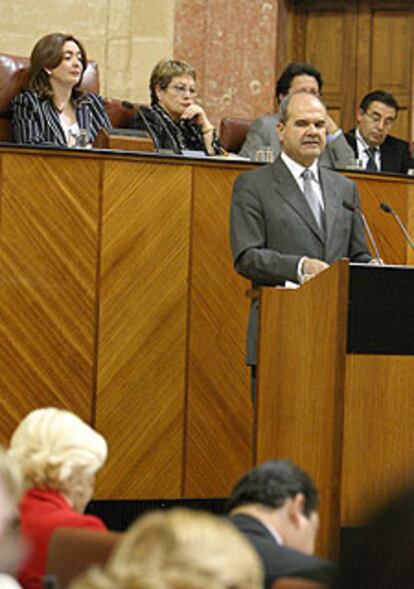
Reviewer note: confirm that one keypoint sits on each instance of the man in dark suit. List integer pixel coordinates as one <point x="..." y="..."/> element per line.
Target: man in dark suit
<point x="285" y="227"/>
<point x="376" y="150"/>
<point x="275" y="506"/>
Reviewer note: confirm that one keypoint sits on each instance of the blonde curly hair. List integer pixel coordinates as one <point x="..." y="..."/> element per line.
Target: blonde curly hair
<point x="178" y="549"/>
<point x="51" y="446"/>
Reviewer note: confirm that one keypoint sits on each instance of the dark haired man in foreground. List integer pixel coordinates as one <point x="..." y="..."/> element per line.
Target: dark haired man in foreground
<point x="275" y="505"/>
<point x="374" y="148"/>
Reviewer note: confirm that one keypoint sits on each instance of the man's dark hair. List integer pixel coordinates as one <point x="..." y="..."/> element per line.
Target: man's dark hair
<point x="378" y="96"/>
<point x="272" y="483"/>
<point x="291" y="71"/>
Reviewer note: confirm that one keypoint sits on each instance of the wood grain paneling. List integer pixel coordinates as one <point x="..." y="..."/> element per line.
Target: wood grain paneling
<point x="358" y="46"/>
<point x="379" y="433"/>
<point x="116" y="279"/>
<point x="219" y="404"/>
<point x="301" y="385"/>
<point x="397" y="193"/>
<point x="143" y="326"/>
<point x="48" y="243"/>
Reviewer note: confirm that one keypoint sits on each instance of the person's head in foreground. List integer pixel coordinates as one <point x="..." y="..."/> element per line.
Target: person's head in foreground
<point x="56" y="450"/>
<point x="178" y="549"/>
<point x="283" y="497"/>
<point x="302" y="127"/>
<point x="11" y="486"/>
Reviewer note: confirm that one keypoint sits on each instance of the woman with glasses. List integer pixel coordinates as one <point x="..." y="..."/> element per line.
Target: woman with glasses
<point x="54" y="110"/>
<point x="174" y="120"/>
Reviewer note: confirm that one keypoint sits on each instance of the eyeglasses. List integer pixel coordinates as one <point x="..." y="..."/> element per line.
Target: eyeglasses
<point x="181" y="89"/>
<point x="377" y="118"/>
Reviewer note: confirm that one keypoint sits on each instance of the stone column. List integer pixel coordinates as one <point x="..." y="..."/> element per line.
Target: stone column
<point x="232" y="44"/>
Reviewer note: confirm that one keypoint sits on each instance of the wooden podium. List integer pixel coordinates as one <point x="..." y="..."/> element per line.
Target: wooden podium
<point x="335" y="390"/>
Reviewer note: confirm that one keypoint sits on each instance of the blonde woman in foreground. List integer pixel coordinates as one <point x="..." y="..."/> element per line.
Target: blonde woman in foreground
<point x="178" y="549"/>
<point x="59" y="456"/>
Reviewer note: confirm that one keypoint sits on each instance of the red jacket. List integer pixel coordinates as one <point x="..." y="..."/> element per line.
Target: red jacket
<point x="42" y="511"/>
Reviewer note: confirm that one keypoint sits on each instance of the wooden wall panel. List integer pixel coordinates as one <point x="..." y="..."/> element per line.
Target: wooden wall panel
<point x="149" y="237"/>
<point x="219" y="404"/>
<point x="48" y="243"/>
<point x="373" y="421"/>
<point x="394" y="191"/>
<point x="324" y="34"/>
<point x="359" y="46"/>
<point x="301" y="384"/>
<point x="143" y="327"/>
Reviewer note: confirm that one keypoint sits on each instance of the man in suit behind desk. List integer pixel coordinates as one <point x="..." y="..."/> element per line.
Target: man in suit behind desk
<point x="298" y="77"/>
<point x="284" y="226"/>
<point x="275" y="506"/>
<point x="374" y="148"/>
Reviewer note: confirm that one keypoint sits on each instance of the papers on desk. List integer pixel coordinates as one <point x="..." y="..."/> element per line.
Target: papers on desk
<point x="200" y="155"/>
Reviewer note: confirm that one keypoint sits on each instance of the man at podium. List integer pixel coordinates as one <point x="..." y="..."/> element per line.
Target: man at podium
<point x="292" y="218"/>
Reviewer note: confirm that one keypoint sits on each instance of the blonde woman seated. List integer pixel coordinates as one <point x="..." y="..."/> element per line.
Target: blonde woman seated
<point x="11" y="548"/>
<point x="174" y="120"/>
<point x="54" y="111"/>
<point x="59" y="456"/>
<point x="178" y="549"/>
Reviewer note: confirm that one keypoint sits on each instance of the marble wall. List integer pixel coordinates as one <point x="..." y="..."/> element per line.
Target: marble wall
<point x="232" y="44"/>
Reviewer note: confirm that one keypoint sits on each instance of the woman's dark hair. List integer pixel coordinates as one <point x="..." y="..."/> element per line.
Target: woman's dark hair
<point x="48" y="53"/>
<point x="165" y="71"/>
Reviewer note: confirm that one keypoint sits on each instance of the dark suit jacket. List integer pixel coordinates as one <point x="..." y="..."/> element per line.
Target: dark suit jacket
<point x="168" y="134"/>
<point x="281" y="561"/>
<point x="395" y="153"/>
<point x="36" y="121"/>
<point x="272" y="228"/>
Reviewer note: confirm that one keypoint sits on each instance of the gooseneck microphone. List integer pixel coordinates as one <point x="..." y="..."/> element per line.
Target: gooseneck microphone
<point x="354" y="209"/>
<point x="387" y="209"/>
<point x="136" y="107"/>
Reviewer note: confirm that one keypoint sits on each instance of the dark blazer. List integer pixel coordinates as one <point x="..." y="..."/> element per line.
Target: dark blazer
<point x="395" y="153"/>
<point x="272" y="228"/>
<point x="278" y="560"/>
<point x="168" y="134"/>
<point x="36" y="121"/>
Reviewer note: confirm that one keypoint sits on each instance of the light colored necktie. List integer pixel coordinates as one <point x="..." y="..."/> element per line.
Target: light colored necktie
<point x="312" y="197"/>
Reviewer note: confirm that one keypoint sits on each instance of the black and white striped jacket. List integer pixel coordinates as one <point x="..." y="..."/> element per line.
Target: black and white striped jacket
<point x="36" y="122"/>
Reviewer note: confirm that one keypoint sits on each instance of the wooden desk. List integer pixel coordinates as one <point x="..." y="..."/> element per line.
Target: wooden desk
<point x="118" y="300"/>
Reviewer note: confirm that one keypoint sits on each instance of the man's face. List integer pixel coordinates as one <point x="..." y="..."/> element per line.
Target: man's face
<point x="304" y="83"/>
<point x="375" y="123"/>
<point x="300" y="530"/>
<point x="303" y="135"/>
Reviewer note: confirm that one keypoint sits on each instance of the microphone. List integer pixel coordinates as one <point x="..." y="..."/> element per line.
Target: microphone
<point x="387" y="209"/>
<point x="354" y="209"/>
<point x="136" y="107"/>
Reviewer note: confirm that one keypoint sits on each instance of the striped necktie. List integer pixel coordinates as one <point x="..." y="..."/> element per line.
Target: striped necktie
<point x="371" y="165"/>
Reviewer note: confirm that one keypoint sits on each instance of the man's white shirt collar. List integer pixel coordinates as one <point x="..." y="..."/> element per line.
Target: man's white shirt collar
<point x="297" y="169"/>
<point x="275" y="533"/>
